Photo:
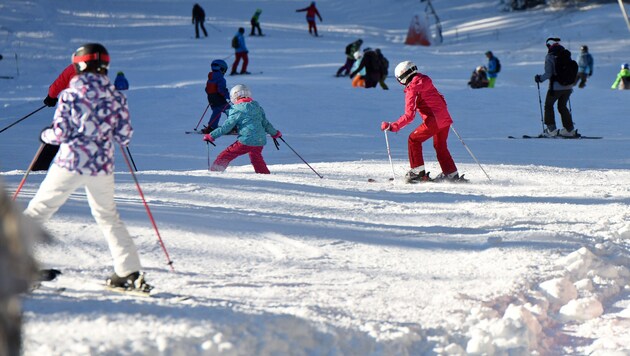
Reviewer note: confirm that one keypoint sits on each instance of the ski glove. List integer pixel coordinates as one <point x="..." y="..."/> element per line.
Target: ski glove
<point x="537" y="78"/>
<point x="391" y="126"/>
<point x="208" y="138"/>
<point x="50" y="102"/>
<point x="277" y="135"/>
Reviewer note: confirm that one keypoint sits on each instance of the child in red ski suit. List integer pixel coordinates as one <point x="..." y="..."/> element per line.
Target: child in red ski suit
<point x="421" y="95"/>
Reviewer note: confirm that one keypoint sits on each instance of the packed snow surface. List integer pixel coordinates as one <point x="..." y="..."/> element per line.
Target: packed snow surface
<point x="532" y="259"/>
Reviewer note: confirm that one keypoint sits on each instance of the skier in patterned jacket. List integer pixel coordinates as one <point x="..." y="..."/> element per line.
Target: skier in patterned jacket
<point x="248" y="117"/>
<point x="422" y="96"/>
<point x="90" y="118"/>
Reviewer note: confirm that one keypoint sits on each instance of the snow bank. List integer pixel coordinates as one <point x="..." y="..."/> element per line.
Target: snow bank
<point x="587" y="280"/>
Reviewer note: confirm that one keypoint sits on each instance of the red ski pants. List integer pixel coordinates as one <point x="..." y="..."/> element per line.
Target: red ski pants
<point x="237" y="60"/>
<point x="424" y="132"/>
<point x="312" y="27"/>
<point x="238" y="149"/>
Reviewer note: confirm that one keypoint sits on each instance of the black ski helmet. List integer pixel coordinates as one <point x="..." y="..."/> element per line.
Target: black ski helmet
<point x="91" y="57"/>
<point x="584" y="48"/>
<point x="220" y="65"/>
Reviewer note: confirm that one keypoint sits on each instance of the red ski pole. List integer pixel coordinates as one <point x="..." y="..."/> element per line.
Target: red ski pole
<point x="146" y="206"/>
<point x="30" y="167"/>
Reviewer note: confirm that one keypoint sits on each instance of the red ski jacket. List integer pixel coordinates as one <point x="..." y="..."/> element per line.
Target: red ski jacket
<point x="311" y="11"/>
<point x="62" y="82"/>
<point x="421" y="95"/>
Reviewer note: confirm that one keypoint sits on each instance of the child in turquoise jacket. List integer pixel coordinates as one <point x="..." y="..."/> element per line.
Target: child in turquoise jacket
<point x="248" y="117"/>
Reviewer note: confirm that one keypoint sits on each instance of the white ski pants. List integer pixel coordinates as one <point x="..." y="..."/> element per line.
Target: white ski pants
<point x="54" y="192"/>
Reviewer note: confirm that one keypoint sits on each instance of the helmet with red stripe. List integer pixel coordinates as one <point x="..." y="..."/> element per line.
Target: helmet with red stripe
<point x="91" y="57"/>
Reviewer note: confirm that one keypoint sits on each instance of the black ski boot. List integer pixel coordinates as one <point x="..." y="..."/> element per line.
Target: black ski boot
<point x="451" y="179"/>
<point x="47" y="275"/>
<point x="412" y="177"/>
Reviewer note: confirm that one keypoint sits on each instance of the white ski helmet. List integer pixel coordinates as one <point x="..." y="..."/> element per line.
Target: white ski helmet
<point x="357" y="55"/>
<point x="404" y="71"/>
<point x="239" y="91"/>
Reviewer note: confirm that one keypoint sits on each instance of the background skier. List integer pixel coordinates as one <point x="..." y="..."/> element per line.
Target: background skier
<point x="248" y="117"/>
<point x="86" y="157"/>
<point x="623" y="78"/>
<point x="350" y="49"/>
<point x="218" y="95"/>
<point x="372" y="65"/>
<point x="422" y="96"/>
<point x="585" y="67"/>
<point x="479" y="78"/>
<point x="256" y="23"/>
<point x="493" y="69"/>
<point x="556" y="92"/>
<point x="198" y="18"/>
<point x="311" y="11"/>
<point x="358" y="80"/>
<point x="121" y="83"/>
<point x="240" y="52"/>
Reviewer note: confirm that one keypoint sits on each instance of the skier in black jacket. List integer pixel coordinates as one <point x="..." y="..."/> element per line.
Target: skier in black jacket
<point x="198" y="17"/>
<point x="372" y="65"/>
<point x="350" y="49"/>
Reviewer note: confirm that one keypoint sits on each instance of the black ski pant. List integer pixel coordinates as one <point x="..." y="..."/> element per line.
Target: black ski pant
<point x="199" y="23"/>
<point x="562" y="97"/>
<point x="255" y="26"/>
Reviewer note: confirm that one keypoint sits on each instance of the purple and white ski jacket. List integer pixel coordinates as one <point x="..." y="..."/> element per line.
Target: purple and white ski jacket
<point x="90" y="114"/>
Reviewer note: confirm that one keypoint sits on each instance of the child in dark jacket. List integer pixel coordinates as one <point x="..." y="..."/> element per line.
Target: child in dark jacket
<point x="217" y="92"/>
<point x="248" y="117"/>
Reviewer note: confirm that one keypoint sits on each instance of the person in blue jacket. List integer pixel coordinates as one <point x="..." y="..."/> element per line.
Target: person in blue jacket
<point x="218" y="95"/>
<point x="585" y="67"/>
<point x="240" y="51"/>
<point x="493" y="69"/>
<point x="121" y="82"/>
<point x="248" y="117"/>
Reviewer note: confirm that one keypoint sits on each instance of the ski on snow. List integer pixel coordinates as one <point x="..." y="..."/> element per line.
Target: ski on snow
<point x="559" y="137"/>
<point x="51" y="286"/>
<point x="372" y="180"/>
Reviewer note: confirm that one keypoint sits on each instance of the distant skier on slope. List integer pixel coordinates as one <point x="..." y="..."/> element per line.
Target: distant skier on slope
<point x="255" y="22"/>
<point x="493" y="68"/>
<point x="422" y="96"/>
<point x="218" y="95"/>
<point x="249" y="118"/>
<point x="240" y="52"/>
<point x="479" y="78"/>
<point x="121" y="83"/>
<point x="198" y="18"/>
<point x="350" y="49"/>
<point x="86" y="158"/>
<point x="311" y="11"/>
<point x="373" y="69"/>
<point x="623" y="78"/>
<point x="358" y="80"/>
<point x="585" y="67"/>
